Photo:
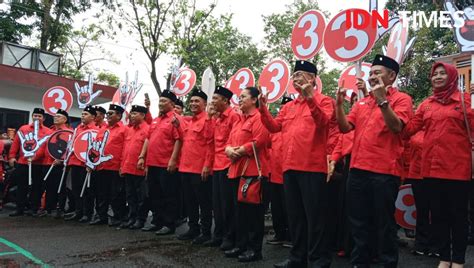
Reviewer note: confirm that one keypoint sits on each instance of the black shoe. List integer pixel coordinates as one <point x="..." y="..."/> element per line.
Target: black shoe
<point x="84" y="219"/>
<point x="58" y="214"/>
<point x="17" y="213"/>
<point x="127" y="224"/>
<point x="151" y="228"/>
<point x="189" y="235"/>
<point x="73" y="217"/>
<point x="42" y="213"/>
<point x="226" y="245"/>
<point x="180" y="222"/>
<point x="114" y="222"/>
<point x="288" y="264"/>
<point x="98" y="221"/>
<point x="69" y="214"/>
<point x="274" y="240"/>
<point x="201" y="239"/>
<point x="287" y="244"/>
<point x="29" y="212"/>
<point x="233" y="253"/>
<point x="250" y="256"/>
<point x="213" y="243"/>
<point x="137" y="225"/>
<point x="165" y="230"/>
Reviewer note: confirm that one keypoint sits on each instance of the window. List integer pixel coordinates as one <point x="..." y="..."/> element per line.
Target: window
<point x="10" y="118"/>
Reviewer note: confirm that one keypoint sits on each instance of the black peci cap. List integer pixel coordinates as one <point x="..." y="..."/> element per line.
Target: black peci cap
<point x="138" y="108"/>
<point x="114" y="107"/>
<point x="224" y="92"/>
<point x="305" y="66"/>
<point x="386" y="62"/>
<point x="38" y="111"/>
<point x="90" y="109"/>
<point x="170" y="95"/>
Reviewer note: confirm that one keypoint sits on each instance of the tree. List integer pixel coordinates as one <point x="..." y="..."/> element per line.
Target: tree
<point x="221" y="46"/>
<point x="108" y="79"/>
<point x="77" y="51"/>
<point x="12" y="29"/>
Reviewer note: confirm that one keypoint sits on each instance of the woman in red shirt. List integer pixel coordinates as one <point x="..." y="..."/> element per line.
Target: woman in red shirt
<point x="446" y="161"/>
<point x="250" y="217"/>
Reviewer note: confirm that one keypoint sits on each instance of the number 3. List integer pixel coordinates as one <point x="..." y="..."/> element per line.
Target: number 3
<point x="60" y="99"/>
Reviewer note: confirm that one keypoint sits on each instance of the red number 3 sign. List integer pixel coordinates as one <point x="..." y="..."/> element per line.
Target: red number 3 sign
<point x="57" y="98"/>
<point x="274" y="79"/>
<point x="186" y="81"/>
<point x="308" y="34"/>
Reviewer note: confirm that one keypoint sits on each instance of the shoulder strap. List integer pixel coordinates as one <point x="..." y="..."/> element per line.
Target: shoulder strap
<point x="245" y="167"/>
<point x="259" y="168"/>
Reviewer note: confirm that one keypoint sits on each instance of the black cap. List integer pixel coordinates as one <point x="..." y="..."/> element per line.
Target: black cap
<point x="224" y="92"/>
<point x="114" y="107"/>
<point x="285" y="100"/>
<point x="170" y="95"/>
<point x="100" y="109"/>
<point x="386" y="62"/>
<point x="61" y="111"/>
<point x="306" y="66"/>
<point x="199" y="93"/>
<point x="179" y="103"/>
<point x="138" y="108"/>
<point x="38" y="111"/>
<point x="90" y="109"/>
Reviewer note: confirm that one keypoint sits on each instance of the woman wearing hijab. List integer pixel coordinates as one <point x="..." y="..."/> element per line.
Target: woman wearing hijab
<point x="247" y="131"/>
<point x="446" y="161"/>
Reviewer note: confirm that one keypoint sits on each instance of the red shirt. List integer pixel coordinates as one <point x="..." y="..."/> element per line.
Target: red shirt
<point x="16" y="145"/>
<point x="343" y="146"/>
<point x="2" y="146"/>
<point x="114" y="146"/>
<point x="102" y="125"/>
<point x="416" y="148"/>
<point x="376" y="148"/>
<point x="276" y="171"/>
<point x="334" y="133"/>
<point x="162" y="136"/>
<point x="134" y="140"/>
<point x="223" y="126"/>
<point x="304" y="127"/>
<point x="249" y="129"/>
<point x="48" y="159"/>
<point x="446" y="146"/>
<point x="73" y="160"/>
<point x="197" y="151"/>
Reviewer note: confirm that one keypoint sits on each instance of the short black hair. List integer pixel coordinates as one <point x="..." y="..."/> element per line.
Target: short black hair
<point x="254" y="92"/>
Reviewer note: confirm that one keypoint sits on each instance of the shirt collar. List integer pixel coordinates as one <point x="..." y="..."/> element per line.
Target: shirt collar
<point x="250" y="114"/>
<point x="226" y="112"/>
<point x="119" y="124"/>
<point x="199" y="116"/>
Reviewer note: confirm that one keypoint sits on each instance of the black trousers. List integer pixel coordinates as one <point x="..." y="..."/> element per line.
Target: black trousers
<point x="53" y="199"/>
<point x="118" y="200"/>
<point x="306" y="203"/>
<point x="218" y="206"/>
<point x="198" y="202"/>
<point x="471" y="208"/>
<point x="278" y="208"/>
<point x="163" y="194"/>
<point x="371" y="207"/>
<point x="343" y="235"/>
<point x="423" y="234"/>
<point x="85" y="204"/>
<point x="104" y="179"/>
<point x="36" y="189"/>
<point x="230" y="187"/>
<point x="136" y="190"/>
<point x="449" y="202"/>
<point x="250" y="224"/>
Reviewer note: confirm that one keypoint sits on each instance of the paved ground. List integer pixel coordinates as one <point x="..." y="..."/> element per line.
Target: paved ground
<point x="27" y="242"/>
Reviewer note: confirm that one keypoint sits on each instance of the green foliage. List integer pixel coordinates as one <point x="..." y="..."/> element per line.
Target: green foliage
<point x="430" y="44"/>
<point x="13" y="25"/>
<point x="108" y="79"/>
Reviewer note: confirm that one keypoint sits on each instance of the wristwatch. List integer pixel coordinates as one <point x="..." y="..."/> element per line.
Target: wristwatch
<point x="383" y="104"/>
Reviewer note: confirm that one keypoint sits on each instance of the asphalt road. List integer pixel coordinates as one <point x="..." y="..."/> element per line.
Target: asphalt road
<point x="34" y="242"/>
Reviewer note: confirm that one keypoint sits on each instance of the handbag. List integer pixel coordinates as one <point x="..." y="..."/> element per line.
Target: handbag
<point x="250" y="189"/>
<point x="468" y="132"/>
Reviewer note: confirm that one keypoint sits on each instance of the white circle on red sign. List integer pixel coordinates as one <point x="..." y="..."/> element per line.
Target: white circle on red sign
<point x="186" y="81"/>
<point x="81" y="142"/>
<point x="274" y="79"/>
<point x="57" y="98"/>
<point x="307" y="34"/>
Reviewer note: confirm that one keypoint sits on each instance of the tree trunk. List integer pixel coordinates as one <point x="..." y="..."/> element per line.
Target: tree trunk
<point x="154" y="79"/>
<point x="46" y="24"/>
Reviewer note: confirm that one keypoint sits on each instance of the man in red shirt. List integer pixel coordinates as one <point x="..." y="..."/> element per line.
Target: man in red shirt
<point x="179" y="107"/>
<point x="135" y="173"/>
<point x="304" y="124"/>
<point x="21" y="172"/>
<point x="161" y="151"/>
<point x="110" y="187"/>
<point x="375" y="168"/>
<point x="52" y="182"/>
<point x="195" y="167"/>
<point x="222" y="194"/>
<point x="84" y="205"/>
<point x="99" y="118"/>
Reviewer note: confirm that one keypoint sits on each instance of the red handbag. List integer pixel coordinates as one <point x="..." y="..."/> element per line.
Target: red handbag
<point x="250" y="189"/>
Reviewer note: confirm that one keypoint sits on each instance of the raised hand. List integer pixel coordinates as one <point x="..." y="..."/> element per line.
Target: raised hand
<point x="86" y="94"/>
<point x="262" y="97"/>
<point x="30" y="142"/>
<point x="379" y="91"/>
<point x="136" y="87"/>
<point x="341" y="94"/>
<point x="95" y="151"/>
